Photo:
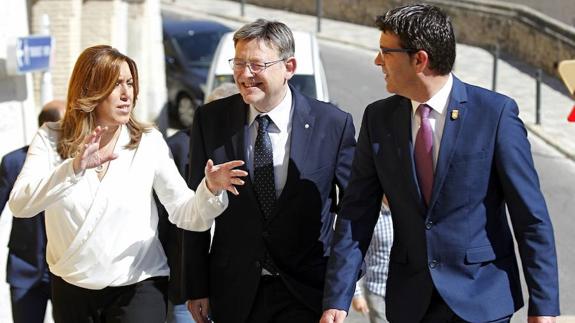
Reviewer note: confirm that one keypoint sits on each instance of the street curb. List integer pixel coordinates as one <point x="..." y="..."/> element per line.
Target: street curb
<point x="536" y="130"/>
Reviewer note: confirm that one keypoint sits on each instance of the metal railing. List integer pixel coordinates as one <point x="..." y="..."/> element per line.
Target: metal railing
<point x="496" y="53"/>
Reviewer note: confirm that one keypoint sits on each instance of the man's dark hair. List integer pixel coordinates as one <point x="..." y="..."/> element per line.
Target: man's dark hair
<point x="48" y="115"/>
<point x="423" y="27"/>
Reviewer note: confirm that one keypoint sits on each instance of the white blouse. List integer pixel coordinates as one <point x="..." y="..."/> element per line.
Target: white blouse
<point x="104" y="233"/>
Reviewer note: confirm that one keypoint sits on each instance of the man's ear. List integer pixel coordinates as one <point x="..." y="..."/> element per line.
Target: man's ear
<point x="291" y="66"/>
<point x="421" y="60"/>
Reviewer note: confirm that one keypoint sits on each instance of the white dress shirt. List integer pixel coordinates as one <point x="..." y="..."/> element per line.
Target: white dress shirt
<point x="279" y="131"/>
<point x="104" y="233"/>
<point x="438" y="104"/>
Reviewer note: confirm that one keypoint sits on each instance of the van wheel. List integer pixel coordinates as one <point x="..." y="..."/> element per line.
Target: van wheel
<point x="186" y="110"/>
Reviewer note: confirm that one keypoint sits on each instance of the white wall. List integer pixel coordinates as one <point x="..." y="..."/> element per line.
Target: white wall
<point x="17" y="110"/>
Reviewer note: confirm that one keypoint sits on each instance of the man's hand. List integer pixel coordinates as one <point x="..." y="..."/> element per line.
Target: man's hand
<point x="360" y="304"/>
<point x="200" y="309"/>
<point x="333" y="316"/>
<point x="224" y="176"/>
<point x="541" y="319"/>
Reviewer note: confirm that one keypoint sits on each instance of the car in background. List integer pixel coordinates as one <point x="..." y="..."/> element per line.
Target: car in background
<point x="189" y="47"/>
<point x="309" y="77"/>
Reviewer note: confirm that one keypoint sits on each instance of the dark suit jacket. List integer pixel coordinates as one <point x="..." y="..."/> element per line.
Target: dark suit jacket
<point x="299" y="233"/>
<point x="462" y="244"/>
<point x="26" y="263"/>
<point x="174" y="240"/>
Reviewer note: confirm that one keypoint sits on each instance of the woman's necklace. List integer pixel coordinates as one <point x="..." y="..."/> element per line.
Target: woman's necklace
<point x="104" y="166"/>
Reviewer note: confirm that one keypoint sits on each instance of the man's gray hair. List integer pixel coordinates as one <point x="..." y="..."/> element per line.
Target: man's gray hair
<point x="275" y="34"/>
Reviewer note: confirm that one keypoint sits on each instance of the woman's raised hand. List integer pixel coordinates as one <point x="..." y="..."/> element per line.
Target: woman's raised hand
<point x="224" y="176"/>
<point x="89" y="155"/>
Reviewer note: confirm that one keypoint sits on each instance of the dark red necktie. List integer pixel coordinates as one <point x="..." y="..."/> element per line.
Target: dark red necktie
<point x="424" y="153"/>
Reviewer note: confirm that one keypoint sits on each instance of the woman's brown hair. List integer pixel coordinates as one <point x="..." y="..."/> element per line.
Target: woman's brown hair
<point x="93" y="79"/>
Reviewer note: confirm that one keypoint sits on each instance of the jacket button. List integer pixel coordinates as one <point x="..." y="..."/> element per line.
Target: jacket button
<point x="433" y="264"/>
<point x="428" y="225"/>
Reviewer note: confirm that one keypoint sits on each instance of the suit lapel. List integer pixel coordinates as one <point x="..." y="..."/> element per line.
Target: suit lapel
<point x="237" y="120"/>
<point x="236" y="146"/>
<point x="301" y="133"/>
<point x="404" y="143"/>
<point x="451" y="130"/>
<point x="302" y="129"/>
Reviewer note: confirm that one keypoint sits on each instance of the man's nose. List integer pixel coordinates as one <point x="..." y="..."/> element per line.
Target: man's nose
<point x="378" y="59"/>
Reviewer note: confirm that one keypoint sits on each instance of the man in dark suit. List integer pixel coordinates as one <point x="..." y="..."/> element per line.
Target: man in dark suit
<point x="27" y="272"/>
<point x="175" y="240"/>
<point x="270" y="247"/>
<point x="450" y="157"/>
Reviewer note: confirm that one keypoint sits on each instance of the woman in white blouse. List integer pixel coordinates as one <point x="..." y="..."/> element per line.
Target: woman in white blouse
<point x="94" y="174"/>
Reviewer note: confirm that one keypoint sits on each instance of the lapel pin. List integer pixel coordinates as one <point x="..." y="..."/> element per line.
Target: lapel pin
<point x="306" y="126"/>
<point x="454" y="114"/>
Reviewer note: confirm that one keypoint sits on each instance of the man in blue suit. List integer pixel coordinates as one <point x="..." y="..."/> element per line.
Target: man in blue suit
<point x="27" y="272"/>
<point x="270" y="247"/>
<point x="450" y="157"/>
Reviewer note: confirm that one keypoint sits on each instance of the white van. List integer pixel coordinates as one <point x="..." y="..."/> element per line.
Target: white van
<point x="309" y="77"/>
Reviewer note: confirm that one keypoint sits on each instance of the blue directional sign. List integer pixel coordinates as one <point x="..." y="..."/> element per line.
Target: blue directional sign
<point x="33" y="53"/>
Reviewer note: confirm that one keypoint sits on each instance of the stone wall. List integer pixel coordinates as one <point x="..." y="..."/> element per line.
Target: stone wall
<point x="134" y="27"/>
<point x="520" y="31"/>
<point x="65" y="26"/>
<point x="18" y="121"/>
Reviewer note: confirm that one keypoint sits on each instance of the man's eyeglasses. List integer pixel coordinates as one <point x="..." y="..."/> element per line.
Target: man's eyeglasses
<point x="255" y="68"/>
<point x="386" y="50"/>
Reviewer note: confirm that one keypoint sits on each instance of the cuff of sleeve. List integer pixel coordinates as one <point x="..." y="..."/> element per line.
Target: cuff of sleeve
<point x="217" y="202"/>
<point x="544" y="310"/>
<point x="358" y="291"/>
<point x="71" y="175"/>
<point x="336" y="304"/>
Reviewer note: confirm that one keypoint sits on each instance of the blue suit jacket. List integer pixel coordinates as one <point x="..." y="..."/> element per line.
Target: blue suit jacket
<point x="462" y="244"/>
<point x="298" y="234"/>
<point x="26" y="263"/>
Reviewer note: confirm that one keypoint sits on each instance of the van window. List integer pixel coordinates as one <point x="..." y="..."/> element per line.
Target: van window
<point x="199" y="49"/>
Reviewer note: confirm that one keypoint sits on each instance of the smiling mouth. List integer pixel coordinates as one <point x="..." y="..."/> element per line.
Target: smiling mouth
<point x="251" y="83"/>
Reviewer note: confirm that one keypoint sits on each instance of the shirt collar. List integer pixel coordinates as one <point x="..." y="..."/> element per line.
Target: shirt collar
<point x="438" y="102"/>
<point x="280" y="115"/>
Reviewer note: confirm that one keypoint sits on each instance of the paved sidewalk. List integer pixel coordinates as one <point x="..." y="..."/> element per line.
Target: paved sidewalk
<point x="473" y="65"/>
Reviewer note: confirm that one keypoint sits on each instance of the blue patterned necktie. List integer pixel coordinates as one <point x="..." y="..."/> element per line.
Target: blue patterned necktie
<point x="264" y="183"/>
<point x="424" y="154"/>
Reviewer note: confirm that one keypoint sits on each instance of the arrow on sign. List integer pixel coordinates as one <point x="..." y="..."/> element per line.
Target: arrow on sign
<point x="571" y="117"/>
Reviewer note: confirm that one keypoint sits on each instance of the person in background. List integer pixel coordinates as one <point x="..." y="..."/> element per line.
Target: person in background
<point x="26" y="269"/>
<point x="454" y="161"/>
<point x="270" y="247"/>
<point x="93" y="174"/>
<point x="369" y="297"/>
<point x="222" y="91"/>
<point x="173" y="238"/>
